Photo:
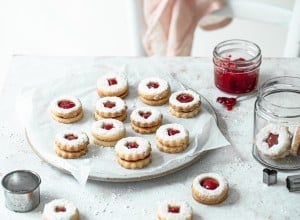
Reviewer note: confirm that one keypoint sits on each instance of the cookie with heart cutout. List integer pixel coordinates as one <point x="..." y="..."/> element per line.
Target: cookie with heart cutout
<point x="145" y="120"/>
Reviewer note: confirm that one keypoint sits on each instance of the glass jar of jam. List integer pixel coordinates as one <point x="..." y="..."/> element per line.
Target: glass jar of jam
<point x="277" y="123"/>
<point x="236" y="66"/>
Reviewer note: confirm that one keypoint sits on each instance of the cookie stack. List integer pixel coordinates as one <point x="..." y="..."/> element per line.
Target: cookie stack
<point x="112" y="85"/>
<point x="111" y="107"/>
<point x="107" y="132"/>
<point x="145" y="120"/>
<point x="133" y="152"/>
<point x="154" y="91"/>
<point x="172" y="138"/>
<point x="66" y="109"/>
<point x="71" y="144"/>
<point x="185" y="104"/>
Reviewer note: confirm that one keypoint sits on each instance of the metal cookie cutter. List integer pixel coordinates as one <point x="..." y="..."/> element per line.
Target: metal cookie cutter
<point x="293" y="183"/>
<point x="269" y="176"/>
<point x="21" y="190"/>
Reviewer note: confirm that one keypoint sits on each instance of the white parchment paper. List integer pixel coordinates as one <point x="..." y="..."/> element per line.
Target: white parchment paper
<point x="100" y="162"/>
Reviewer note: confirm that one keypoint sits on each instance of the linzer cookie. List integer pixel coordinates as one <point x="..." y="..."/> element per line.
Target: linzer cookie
<point x="154" y="91"/>
<point x="185" y="104"/>
<point x="71" y="144"/>
<point x="145" y="120"/>
<point x="174" y="210"/>
<point x="273" y="141"/>
<point x="112" y="85"/>
<point x="295" y="148"/>
<point x="172" y="138"/>
<point x="66" y="109"/>
<point x="133" y="152"/>
<point x="106" y="132"/>
<point x="59" y="209"/>
<point x="111" y="107"/>
<point x="210" y="188"/>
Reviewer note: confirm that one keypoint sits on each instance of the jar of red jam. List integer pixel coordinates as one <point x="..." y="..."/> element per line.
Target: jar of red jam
<point x="236" y="66"/>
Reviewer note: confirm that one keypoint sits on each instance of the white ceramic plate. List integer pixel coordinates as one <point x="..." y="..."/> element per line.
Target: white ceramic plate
<point x="100" y="163"/>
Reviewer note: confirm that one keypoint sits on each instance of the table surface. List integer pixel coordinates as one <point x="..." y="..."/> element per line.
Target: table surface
<point x="248" y="198"/>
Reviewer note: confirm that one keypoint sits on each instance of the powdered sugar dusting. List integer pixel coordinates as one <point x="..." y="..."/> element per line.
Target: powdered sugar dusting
<point x="284" y="140"/>
<point x="162" y="132"/>
<point x="185" y="210"/>
<point x="55" y="108"/>
<point x="50" y="213"/>
<point x="223" y="185"/>
<point x="144" y="89"/>
<point x="173" y="99"/>
<point x="82" y="138"/>
<point x="143" y="145"/>
<point x="103" y="83"/>
<point x="118" y="127"/>
<point x="155" y="115"/>
<point x="119" y="104"/>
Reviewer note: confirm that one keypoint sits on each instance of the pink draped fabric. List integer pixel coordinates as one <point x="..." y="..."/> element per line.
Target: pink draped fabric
<point x="170" y="24"/>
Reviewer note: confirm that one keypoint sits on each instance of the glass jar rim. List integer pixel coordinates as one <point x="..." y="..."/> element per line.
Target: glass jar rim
<point x="234" y="42"/>
<point x="245" y="68"/>
<point x="263" y="92"/>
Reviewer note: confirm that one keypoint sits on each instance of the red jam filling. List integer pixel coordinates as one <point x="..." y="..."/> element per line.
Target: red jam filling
<point x="185" y="98"/>
<point x="109" y="104"/>
<point x="272" y="140"/>
<point x="130" y="145"/>
<point x="173" y="209"/>
<point x="145" y="114"/>
<point x="112" y="82"/>
<point x="107" y="126"/>
<point x="229" y="103"/>
<point x="209" y="183"/>
<point x="66" y="104"/>
<point x="60" y="209"/>
<point x="154" y="85"/>
<point x="71" y="137"/>
<point x="172" y="132"/>
<point x="231" y="77"/>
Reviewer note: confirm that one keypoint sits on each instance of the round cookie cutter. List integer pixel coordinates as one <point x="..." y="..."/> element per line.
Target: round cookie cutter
<point x="21" y="190"/>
